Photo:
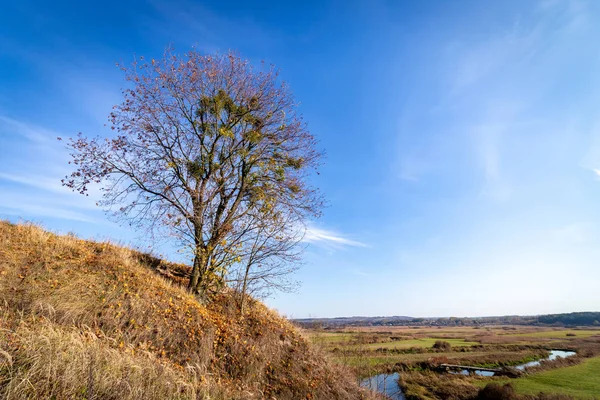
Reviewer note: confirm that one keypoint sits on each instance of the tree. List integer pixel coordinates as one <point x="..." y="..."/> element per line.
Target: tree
<point x="208" y="149"/>
<point x="271" y="253"/>
<point x="442" y="345"/>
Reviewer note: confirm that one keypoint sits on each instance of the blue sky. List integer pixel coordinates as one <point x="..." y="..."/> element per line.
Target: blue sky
<point x="462" y="138"/>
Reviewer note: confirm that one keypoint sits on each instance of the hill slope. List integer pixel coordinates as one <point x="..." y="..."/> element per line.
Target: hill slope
<point x="82" y="319"/>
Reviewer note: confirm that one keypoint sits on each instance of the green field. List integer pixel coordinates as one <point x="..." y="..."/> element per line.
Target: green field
<point x="476" y="357"/>
<point x="562" y="334"/>
<point x="334" y="337"/>
<point x="425" y="342"/>
<point x="580" y="381"/>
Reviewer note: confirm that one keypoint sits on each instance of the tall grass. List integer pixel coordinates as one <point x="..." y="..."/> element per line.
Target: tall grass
<point x="50" y="362"/>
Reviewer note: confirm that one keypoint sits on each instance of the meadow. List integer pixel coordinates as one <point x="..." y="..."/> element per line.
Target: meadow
<point x="412" y="351"/>
<point x="558" y="334"/>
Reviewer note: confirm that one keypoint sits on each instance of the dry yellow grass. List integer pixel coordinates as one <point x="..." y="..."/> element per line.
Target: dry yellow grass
<point x="87" y="320"/>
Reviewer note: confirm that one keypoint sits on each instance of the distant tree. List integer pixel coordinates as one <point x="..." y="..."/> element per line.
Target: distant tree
<point x="208" y="149"/>
<point x="442" y="345"/>
<point x="495" y="391"/>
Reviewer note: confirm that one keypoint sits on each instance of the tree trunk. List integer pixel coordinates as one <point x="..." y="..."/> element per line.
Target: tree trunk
<point x="198" y="270"/>
<point x="244" y="287"/>
<point x="195" y="276"/>
<point x="204" y="277"/>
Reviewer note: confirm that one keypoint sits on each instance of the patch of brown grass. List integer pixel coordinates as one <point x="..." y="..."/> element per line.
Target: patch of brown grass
<point x="50" y="362"/>
<point x="430" y="385"/>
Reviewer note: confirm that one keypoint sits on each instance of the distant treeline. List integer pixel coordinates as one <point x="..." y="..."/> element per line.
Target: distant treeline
<point x="577" y="318"/>
<point x="571" y="319"/>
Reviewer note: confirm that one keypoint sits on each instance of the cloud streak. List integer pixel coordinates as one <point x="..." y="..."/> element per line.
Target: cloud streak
<point x="44" y="183"/>
<point x="329" y="238"/>
<point x="34" y="210"/>
<point x="31" y="186"/>
<point x="32" y="133"/>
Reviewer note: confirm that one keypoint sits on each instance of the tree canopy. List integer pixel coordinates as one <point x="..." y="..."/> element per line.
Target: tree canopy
<point x="208" y="149"/>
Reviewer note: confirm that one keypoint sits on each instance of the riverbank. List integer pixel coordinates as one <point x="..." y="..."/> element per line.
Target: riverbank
<point x="581" y="381"/>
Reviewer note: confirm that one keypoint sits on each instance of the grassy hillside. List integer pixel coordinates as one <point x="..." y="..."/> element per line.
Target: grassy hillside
<point x="81" y="319"/>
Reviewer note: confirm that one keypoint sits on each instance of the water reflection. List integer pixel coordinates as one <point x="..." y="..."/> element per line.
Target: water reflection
<point x="554" y="354"/>
<point x="386" y="384"/>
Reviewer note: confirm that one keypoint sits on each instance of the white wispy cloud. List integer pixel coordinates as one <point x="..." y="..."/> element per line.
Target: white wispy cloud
<point x="498" y="80"/>
<point x="35" y="134"/>
<point x="34" y="163"/>
<point x="48" y="187"/>
<point x="22" y="210"/>
<point x="329" y="238"/>
<point x="40" y="182"/>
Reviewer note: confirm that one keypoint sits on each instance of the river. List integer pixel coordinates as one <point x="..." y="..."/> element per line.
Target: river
<point x="554" y="354"/>
<point x="386" y="384"/>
